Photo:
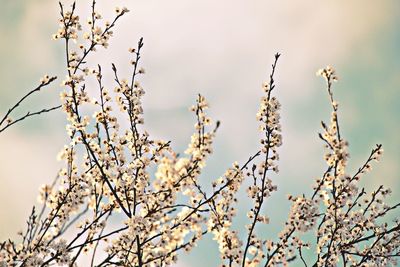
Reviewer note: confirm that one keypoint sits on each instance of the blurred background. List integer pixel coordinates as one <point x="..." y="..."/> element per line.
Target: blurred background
<point x="223" y="50"/>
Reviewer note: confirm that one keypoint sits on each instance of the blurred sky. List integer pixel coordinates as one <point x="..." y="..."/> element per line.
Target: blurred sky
<point x="222" y="49"/>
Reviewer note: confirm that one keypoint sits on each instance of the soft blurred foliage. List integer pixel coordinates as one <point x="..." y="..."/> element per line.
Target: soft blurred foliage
<point x="222" y="49"/>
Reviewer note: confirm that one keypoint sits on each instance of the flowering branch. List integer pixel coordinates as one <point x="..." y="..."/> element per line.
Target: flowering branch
<point x="142" y="204"/>
<point x="7" y="121"/>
